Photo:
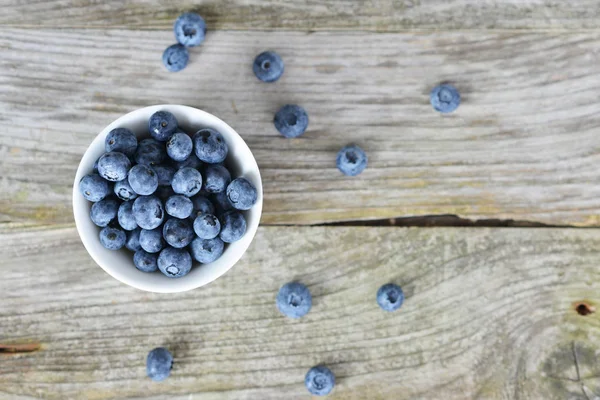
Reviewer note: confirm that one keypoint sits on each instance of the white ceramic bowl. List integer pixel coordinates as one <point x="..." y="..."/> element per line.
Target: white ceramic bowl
<point x="119" y="264"/>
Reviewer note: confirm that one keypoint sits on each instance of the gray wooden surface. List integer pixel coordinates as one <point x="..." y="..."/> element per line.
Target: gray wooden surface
<point x="489" y="314"/>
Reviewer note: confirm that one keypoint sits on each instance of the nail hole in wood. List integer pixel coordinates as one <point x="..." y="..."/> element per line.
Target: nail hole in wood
<point x="584" y="309"/>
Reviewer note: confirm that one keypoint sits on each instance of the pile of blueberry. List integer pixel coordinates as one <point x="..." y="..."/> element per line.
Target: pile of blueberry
<point x="168" y="198"/>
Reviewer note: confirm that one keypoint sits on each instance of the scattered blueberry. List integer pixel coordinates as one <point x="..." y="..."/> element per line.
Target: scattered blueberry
<point x="390" y="297"/>
<point x="174" y="263"/>
<point x="150" y="152"/>
<point x="191" y="162"/>
<point x="104" y="212"/>
<point x="179" y="146"/>
<point x="93" y="187"/>
<point x="145" y="262"/>
<point x="319" y="381"/>
<point x="112" y="238"/>
<point x="124" y="191"/>
<point x="291" y="121"/>
<point x="294" y="300"/>
<point x="133" y="240"/>
<point x="159" y="364"/>
<point x="241" y="194"/>
<point x="268" y="66"/>
<point x="125" y="216"/>
<point x="207" y="226"/>
<point x="175" y="57"/>
<point x="216" y="178"/>
<point x="207" y="250"/>
<point x="221" y="202"/>
<point x="351" y="160"/>
<point x="148" y="212"/>
<point x="165" y="174"/>
<point x="121" y="140"/>
<point x="202" y="205"/>
<point x="143" y="180"/>
<point x="187" y="181"/>
<point x="113" y="166"/>
<point x="190" y="29"/>
<point x="210" y="146"/>
<point x="162" y="125"/>
<point x="179" y="206"/>
<point x="152" y="240"/>
<point x="178" y="232"/>
<point x="444" y="98"/>
<point x="233" y="226"/>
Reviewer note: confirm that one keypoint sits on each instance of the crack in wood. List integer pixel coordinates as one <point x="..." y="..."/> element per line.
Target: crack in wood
<point x="20" y="348"/>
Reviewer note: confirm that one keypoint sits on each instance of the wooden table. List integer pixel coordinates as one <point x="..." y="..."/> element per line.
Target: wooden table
<point x="501" y="309"/>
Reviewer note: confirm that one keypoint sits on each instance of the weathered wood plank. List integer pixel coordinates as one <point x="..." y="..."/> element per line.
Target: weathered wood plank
<point x="489" y="314"/>
<point x="523" y="145"/>
<point x="376" y="15"/>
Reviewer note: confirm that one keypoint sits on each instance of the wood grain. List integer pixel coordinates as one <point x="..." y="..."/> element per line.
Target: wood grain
<point x="375" y="15"/>
<point x="489" y="314"/>
<point x="523" y="145"/>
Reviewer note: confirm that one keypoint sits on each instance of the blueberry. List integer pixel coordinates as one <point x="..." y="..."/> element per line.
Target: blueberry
<point x="202" y="205"/>
<point x="133" y="240"/>
<point x="319" y="381"/>
<point x="152" y="240"/>
<point x="179" y="146"/>
<point x="179" y="206"/>
<point x="174" y="263"/>
<point x="190" y="29"/>
<point x="191" y="162"/>
<point x="164" y="192"/>
<point x="162" y="124"/>
<point x="233" y="226"/>
<point x="390" y="297"/>
<point x="159" y="364"/>
<point x="187" y="181"/>
<point x="291" y="121"/>
<point x="210" y="146"/>
<point x="143" y="180"/>
<point x="207" y="226"/>
<point x="216" y="178"/>
<point x="444" y="98"/>
<point x="175" y="57"/>
<point x="144" y="261"/>
<point x="112" y="238"/>
<point x="121" y="140"/>
<point x="178" y="232"/>
<point x="165" y="174"/>
<point x="148" y="212"/>
<point x="150" y="152"/>
<point x="125" y="216"/>
<point x="294" y="300"/>
<point x="104" y="212"/>
<point x="351" y="160"/>
<point x="206" y="250"/>
<point x="124" y="191"/>
<point x="268" y="66"/>
<point x="221" y="202"/>
<point x="113" y="166"/>
<point x="241" y="194"/>
<point x="93" y="187"/>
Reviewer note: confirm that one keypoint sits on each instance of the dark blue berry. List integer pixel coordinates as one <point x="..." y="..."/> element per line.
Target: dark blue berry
<point x="164" y="192"/>
<point x="121" y="140"/>
<point x="187" y="181"/>
<point x="148" y="212"/>
<point x="104" y="212"/>
<point x="143" y="180"/>
<point x="94" y="188"/>
<point x="268" y="66"/>
<point x="202" y="205"/>
<point x="124" y="191"/>
<point x="190" y="29"/>
<point x="96" y="165"/>
<point x="444" y="98"/>
<point x="207" y="226"/>
<point x="152" y="240"/>
<point x="150" y="152"/>
<point x="159" y="364"/>
<point x="390" y="297"/>
<point x="178" y="232"/>
<point x="233" y="226"/>
<point x="216" y="178"/>
<point x="145" y="262"/>
<point x="319" y="381"/>
<point x="191" y="162"/>
<point x="112" y="238"/>
<point x="241" y="194"/>
<point x="133" y="240"/>
<point x="125" y="216"/>
<point x="174" y="263"/>
<point x="179" y="146"/>
<point x="351" y="160"/>
<point x="294" y="300"/>
<point x="175" y="57"/>
<point x="207" y="250"/>
<point x="210" y="146"/>
<point x="179" y="206"/>
<point x="291" y="121"/>
<point x="165" y="174"/>
<point x="221" y="202"/>
<point x="113" y="166"/>
<point x="162" y="124"/>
